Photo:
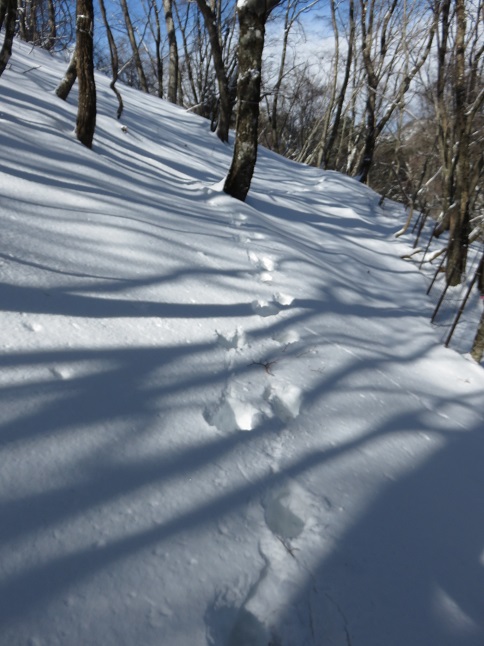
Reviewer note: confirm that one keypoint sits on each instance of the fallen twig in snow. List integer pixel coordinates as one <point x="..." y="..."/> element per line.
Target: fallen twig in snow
<point x="407" y="256"/>
<point x="267" y="365"/>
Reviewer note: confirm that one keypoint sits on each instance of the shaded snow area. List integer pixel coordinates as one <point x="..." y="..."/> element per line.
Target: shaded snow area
<point x="222" y="424"/>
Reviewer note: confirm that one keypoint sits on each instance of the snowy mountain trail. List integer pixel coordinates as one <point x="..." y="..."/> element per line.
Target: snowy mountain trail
<point x="221" y="423"/>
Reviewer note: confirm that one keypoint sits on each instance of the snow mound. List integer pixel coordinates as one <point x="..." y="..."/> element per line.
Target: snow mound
<point x="285" y="399"/>
<point x="233" y="414"/>
<point x="283" y="299"/>
<point x="287" y="337"/>
<point x="265" y="308"/>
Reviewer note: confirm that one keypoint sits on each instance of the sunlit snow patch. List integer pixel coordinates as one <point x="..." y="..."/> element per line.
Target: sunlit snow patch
<point x="287" y="337"/>
<point x="283" y="299"/>
<point x="231" y="340"/>
<point x="262" y="262"/>
<point x="285" y="400"/>
<point x="232" y="414"/>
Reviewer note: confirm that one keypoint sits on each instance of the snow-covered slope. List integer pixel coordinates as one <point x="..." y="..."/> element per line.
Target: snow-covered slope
<point x="222" y="424"/>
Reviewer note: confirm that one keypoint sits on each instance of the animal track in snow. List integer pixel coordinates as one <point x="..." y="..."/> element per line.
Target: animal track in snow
<point x="270" y="308"/>
<point x="32" y="326"/>
<point x="239" y="219"/>
<point x="231" y="340"/>
<point x="287" y="337"/>
<point x="285" y="400"/>
<point x="283" y="299"/>
<point x="262" y="262"/>
<point x="285" y="509"/>
<point x="265" y="308"/>
<point x="236" y="410"/>
<point x="61" y="373"/>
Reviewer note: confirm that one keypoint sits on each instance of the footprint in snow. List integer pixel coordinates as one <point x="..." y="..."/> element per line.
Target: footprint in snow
<point x="287" y="337"/>
<point x="231" y="340"/>
<point x="265" y="308"/>
<point x="231" y="413"/>
<point x="61" y="373"/>
<point x="31" y="326"/>
<point x="239" y="219"/>
<point x="229" y="623"/>
<point x="285" y="400"/>
<point x="271" y="308"/>
<point x="262" y="262"/>
<point x="285" y="509"/>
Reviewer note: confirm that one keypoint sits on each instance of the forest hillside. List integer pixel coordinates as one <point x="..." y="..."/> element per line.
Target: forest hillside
<point x="221" y="423"/>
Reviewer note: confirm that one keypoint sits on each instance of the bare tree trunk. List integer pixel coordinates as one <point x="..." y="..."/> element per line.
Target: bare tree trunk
<point x="8" y="16"/>
<point x="252" y="16"/>
<point x="183" y="28"/>
<point x="329" y="144"/>
<point x="225" y="104"/>
<point x="159" y="59"/>
<point x="459" y="224"/>
<point x="477" y="351"/>
<point x="134" y="47"/>
<point x="50" y="43"/>
<point x="86" y="110"/>
<point x="113" y="50"/>
<point x="67" y="82"/>
<point x="173" y="49"/>
<point x="381" y="55"/>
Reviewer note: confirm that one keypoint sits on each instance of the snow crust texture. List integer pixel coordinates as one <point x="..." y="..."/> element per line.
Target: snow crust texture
<point x="221" y="424"/>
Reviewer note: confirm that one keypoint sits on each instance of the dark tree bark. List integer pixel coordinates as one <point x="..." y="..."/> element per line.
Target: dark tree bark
<point x="252" y="15"/>
<point x="50" y="42"/>
<point x="67" y="82"/>
<point x="459" y="221"/>
<point x="477" y="351"/>
<point x="86" y="110"/>
<point x="159" y="58"/>
<point x="225" y="102"/>
<point x="8" y="17"/>
<point x="459" y="98"/>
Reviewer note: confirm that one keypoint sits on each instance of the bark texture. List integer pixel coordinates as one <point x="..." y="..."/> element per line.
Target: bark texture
<point x="252" y="15"/>
<point x="225" y="103"/>
<point x="68" y="80"/>
<point x="172" y="94"/>
<point x="8" y="17"/>
<point x="86" y="110"/>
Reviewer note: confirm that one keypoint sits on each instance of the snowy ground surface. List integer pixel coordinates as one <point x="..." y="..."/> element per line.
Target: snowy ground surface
<point x="222" y="424"/>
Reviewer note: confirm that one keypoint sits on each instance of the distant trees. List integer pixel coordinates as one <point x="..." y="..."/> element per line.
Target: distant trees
<point x="213" y="26"/>
<point x="397" y="101"/>
<point x="458" y="97"/>
<point x="46" y="23"/>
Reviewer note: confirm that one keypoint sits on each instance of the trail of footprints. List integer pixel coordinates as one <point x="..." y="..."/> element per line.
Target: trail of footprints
<point x="258" y="390"/>
<point x="254" y="612"/>
<point x="253" y="392"/>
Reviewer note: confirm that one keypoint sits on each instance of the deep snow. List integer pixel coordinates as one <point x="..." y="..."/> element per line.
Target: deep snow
<point x="222" y="424"/>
